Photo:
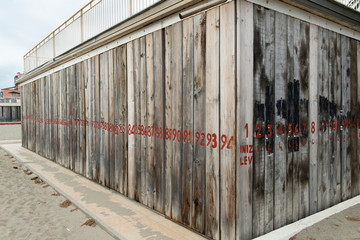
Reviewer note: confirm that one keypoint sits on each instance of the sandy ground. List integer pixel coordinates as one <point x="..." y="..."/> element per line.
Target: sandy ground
<point x="31" y="209"/>
<point x="10" y="132"/>
<point x="344" y="225"/>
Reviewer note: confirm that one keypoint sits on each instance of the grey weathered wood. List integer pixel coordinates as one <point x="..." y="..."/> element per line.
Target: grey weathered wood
<point x="176" y="78"/>
<point x="88" y="115"/>
<point x="345" y="142"/>
<point x="212" y="109"/>
<point x="150" y="111"/>
<point x="199" y="167"/>
<point x="112" y="105"/>
<point x="143" y="121"/>
<point x="131" y="121"/>
<point x="168" y="122"/>
<point x="244" y="92"/>
<point x="187" y="120"/>
<point x="304" y="119"/>
<point x="227" y="120"/>
<point x="269" y="120"/>
<point x="259" y="125"/>
<point x="280" y="119"/>
<point x="313" y="117"/>
<point x="354" y="112"/>
<point x="97" y="117"/>
<point x="159" y="147"/>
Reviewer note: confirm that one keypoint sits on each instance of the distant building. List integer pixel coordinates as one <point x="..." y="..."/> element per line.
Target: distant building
<point x="11" y="92"/>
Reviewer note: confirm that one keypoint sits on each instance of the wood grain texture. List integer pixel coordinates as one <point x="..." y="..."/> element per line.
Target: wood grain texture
<point x="245" y="98"/>
<point x="199" y="123"/>
<point x="212" y="111"/>
<point x="227" y="120"/>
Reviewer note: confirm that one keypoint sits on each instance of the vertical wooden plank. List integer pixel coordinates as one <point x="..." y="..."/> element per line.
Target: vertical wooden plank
<point x="198" y="207"/>
<point x="313" y="117"/>
<point x="123" y="119"/>
<point x="143" y="122"/>
<point x="332" y="117"/>
<point x="212" y="109"/>
<point x="117" y="171"/>
<point x="245" y="89"/>
<point x="104" y="118"/>
<point x="37" y="116"/>
<point x="97" y="117"/>
<point x="323" y="144"/>
<point x="354" y="110"/>
<point x="71" y="136"/>
<point x="131" y="120"/>
<point x="345" y="144"/>
<point x="227" y="120"/>
<point x="304" y="119"/>
<point x="290" y="120"/>
<point x="176" y="78"/>
<point x="168" y="123"/>
<point x="137" y="120"/>
<point x="56" y="86"/>
<point x="112" y="105"/>
<point x="88" y="113"/>
<point x="280" y="119"/>
<point x="260" y="82"/>
<point x="338" y="99"/>
<point x="149" y="138"/>
<point x="269" y="119"/>
<point x="159" y="147"/>
<point x="85" y="123"/>
<point x="188" y="118"/>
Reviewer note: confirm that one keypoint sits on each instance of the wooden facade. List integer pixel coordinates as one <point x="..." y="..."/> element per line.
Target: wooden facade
<point x="9" y="113"/>
<point x="233" y="122"/>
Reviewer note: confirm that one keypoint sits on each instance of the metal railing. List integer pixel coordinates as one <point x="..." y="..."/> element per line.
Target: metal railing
<point x="92" y="19"/>
<point x="355" y="4"/>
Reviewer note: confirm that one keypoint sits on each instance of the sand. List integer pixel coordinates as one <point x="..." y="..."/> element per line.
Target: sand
<point x="344" y="225"/>
<point x="31" y="209"/>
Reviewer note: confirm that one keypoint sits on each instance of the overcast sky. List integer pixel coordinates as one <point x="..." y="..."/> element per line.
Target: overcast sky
<point x="23" y="24"/>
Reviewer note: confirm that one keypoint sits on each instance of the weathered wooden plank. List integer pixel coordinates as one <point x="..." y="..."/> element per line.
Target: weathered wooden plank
<point x="96" y="140"/>
<point x="159" y="147"/>
<point x="280" y="209"/>
<point x="338" y="99"/>
<point x="117" y="171"/>
<point x="198" y="207"/>
<point x="187" y="119"/>
<point x="323" y="104"/>
<point x="56" y="86"/>
<point x="176" y="119"/>
<point x="112" y="105"/>
<point x="354" y="111"/>
<point x="259" y="141"/>
<point x="168" y="123"/>
<point x="104" y="118"/>
<point x="212" y="110"/>
<point x="70" y="108"/>
<point x="345" y="142"/>
<point x="123" y="119"/>
<point x="245" y="103"/>
<point x="131" y="120"/>
<point x="150" y="111"/>
<point x="269" y="120"/>
<point x="143" y="122"/>
<point x="37" y="116"/>
<point x="88" y="84"/>
<point x="303" y="166"/>
<point x="137" y="120"/>
<point x="227" y="120"/>
<point x="290" y="167"/>
<point x="313" y="117"/>
<point x="82" y="157"/>
<point x="332" y="117"/>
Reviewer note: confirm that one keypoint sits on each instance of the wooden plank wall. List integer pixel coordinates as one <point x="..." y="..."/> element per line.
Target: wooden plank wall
<point x="10" y="113"/>
<point x="230" y="134"/>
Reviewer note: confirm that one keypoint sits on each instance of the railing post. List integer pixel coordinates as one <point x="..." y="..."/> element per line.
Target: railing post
<point x="81" y="25"/>
<point x="130" y="2"/>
